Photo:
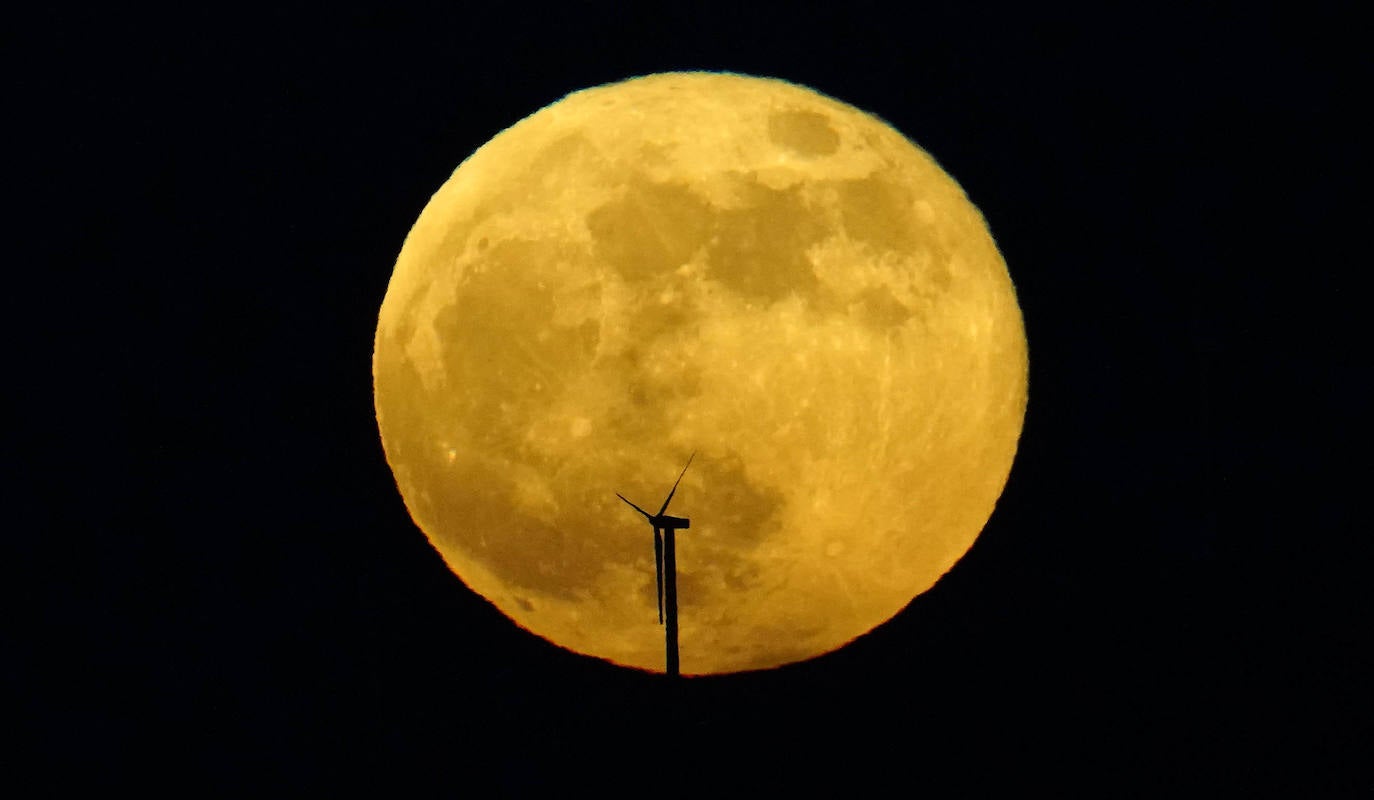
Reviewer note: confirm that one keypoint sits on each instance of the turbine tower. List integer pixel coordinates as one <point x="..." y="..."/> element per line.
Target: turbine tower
<point x="665" y="565"/>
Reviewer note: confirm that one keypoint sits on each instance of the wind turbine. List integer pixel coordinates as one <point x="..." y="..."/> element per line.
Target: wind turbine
<point x="665" y="563"/>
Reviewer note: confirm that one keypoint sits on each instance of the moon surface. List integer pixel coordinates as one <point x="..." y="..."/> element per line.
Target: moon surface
<point x="700" y="262"/>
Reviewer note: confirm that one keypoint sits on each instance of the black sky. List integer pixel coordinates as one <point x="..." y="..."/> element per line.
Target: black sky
<point x="217" y="581"/>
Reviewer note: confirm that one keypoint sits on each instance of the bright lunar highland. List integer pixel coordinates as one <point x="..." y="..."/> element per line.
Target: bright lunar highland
<point x="700" y="262"/>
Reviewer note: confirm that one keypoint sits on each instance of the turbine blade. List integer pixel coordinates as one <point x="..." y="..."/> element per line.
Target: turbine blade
<point x="646" y="514"/>
<point x="658" y="570"/>
<point x="675" y="483"/>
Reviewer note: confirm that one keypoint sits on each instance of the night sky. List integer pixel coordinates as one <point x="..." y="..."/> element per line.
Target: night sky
<point x="218" y="585"/>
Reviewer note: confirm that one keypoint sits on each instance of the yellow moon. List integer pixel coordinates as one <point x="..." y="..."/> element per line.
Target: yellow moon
<point x="700" y="262"/>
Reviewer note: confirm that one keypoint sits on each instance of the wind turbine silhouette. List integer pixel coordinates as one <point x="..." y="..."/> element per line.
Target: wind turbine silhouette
<point x="665" y="563"/>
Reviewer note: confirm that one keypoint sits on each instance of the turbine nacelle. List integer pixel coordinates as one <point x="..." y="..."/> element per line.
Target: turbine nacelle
<point x="674" y="523"/>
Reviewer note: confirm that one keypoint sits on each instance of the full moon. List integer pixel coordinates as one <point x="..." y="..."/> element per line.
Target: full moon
<point x="736" y="267"/>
